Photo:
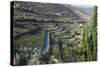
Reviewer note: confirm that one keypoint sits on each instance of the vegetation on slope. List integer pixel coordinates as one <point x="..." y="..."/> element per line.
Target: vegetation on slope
<point x="89" y="39"/>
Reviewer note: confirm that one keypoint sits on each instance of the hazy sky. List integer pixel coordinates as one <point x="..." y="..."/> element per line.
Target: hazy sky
<point x="86" y="6"/>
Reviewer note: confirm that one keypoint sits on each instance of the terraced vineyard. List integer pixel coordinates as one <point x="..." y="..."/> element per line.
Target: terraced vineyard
<point x="46" y="34"/>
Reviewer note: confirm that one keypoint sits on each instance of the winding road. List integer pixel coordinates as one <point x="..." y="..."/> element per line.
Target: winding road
<point x="46" y="36"/>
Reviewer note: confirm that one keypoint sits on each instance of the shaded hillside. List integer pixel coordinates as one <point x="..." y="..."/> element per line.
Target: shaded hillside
<point x="45" y="11"/>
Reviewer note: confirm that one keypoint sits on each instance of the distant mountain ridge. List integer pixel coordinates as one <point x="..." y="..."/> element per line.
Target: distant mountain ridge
<point x="85" y="9"/>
